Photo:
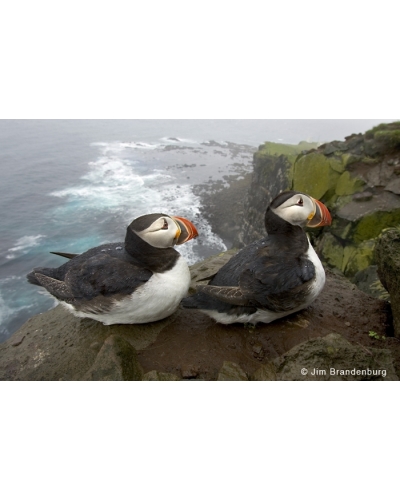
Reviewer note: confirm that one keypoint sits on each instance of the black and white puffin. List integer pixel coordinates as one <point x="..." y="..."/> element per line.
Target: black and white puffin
<point x="273" y="277"/>
<point x="137" y="281"/>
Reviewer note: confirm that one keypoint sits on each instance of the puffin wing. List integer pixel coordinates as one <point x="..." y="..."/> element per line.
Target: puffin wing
<point x="228" y="294"/>
<point x="101" y="275"/>
<point x="264" y="275"/>
<point x="277" y="285"/>
<point x="266" y="287"/>
<point x="267" y="280"/>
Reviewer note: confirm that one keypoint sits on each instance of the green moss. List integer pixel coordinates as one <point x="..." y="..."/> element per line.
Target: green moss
<point x="370" y="134"/>
<point x="379" y="291"/>
<point x="332" y="251"/>
<point x="370" y="161"/>
<point x="348" y="252"/>
<point x="348" y="159"/>
<point x="337" y="164"/>
<point x="371" y="225"/>
<point x="313" y="175"/>
<point x="389" y="138"/>
<point x="359" y="257"/>
<point x="289" y="150"/>
<point x="347" y="185"/>
<point x="348" y="258"/>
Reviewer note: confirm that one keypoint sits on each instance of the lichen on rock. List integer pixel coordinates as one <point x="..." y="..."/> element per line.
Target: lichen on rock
<point x="346" y="184"/>
<point x="314" y="175"/>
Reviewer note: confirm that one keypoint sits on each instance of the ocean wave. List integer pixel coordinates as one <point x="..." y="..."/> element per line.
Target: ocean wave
<point x="138" y="145"/>
<point x="119" y="187"/>
<point x="118" y="147"/>
<point x="22" y="245"/>
<point x="114" y="185"/>
<point x="216" y="143"/>
<point x="178" y="140"/>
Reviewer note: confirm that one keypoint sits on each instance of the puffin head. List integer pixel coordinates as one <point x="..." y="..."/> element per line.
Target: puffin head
<point x="300" y="209"/>
<point x="163" y="231"/>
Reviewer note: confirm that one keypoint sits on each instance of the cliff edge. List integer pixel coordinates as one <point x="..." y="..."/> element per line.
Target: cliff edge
<point x="331" y="340"/>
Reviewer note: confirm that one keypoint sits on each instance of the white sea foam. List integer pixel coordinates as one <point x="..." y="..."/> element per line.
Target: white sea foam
<point x="218" y="143"/>
<point x="109" y="184"/>
<point x="118" y="146"/>
<point x="178" y="140"/>
<point x="125" y="187"/>
<point x="138" y="145"/>
<point x="22" y="245"/>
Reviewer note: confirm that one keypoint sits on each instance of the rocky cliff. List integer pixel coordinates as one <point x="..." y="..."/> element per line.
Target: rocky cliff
<point x="359" y="181"/>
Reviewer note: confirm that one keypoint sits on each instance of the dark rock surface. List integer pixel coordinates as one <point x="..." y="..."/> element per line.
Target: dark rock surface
<point x="190" y="346"/>
<point x="387" y="255"/>
<point x="223" y="207"/>
<point x="335" y="358"/>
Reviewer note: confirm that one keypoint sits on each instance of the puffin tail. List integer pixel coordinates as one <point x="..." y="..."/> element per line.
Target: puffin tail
<point x="32" y="276"/>
<point x="66" y="255"/>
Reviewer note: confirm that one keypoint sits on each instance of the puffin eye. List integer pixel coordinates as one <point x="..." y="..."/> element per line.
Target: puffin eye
<point x="300" y="202"/>
<point x="165" y="225"/>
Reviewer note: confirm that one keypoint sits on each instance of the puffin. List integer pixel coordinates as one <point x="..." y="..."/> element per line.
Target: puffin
<point x="137" y="281"/>
<point x="273" y="277"/>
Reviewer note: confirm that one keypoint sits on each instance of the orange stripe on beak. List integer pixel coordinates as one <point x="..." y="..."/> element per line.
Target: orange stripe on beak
<point x="187" y="230"/>
<point x="322" y="217"/>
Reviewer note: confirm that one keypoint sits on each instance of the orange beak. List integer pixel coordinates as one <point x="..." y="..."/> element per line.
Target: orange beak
<point x="322" y="217"/>
<point x="186" y="230"/>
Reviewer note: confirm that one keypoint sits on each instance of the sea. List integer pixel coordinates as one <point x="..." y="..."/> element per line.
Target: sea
<point x="70" y="185"/>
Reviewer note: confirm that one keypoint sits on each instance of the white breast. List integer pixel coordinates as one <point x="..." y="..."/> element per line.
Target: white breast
<point x="155" y="300"/>
<point x="319" y="281"/>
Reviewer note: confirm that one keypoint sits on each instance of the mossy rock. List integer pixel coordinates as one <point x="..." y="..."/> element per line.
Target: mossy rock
<point x="370" y="134"/>
<point x="350" y="259"/>
<point x="314" y="175"/>
<point x="289" y="150"/>
<point x="371" y="225"/>
<point x="357" y="258"/>
<point x="370" y="161"/>
<point x="365" y="227"/>
<point x="337" y="164"/>
<point x="348" y="158"/>
<point x="332" y="250"/>
<point x="388" y="138"/>
<point x="348" y="185"/>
